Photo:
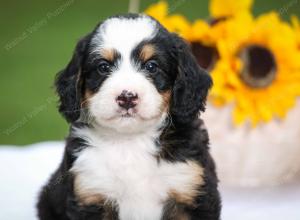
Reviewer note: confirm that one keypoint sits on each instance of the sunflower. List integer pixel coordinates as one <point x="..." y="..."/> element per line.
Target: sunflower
<point x="261" y="73"/>
<point x="254" y="62"/>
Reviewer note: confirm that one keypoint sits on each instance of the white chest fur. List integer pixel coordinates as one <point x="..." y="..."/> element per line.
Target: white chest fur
<point x="125" y="171"/>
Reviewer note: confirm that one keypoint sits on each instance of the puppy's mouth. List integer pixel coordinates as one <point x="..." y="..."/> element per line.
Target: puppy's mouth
<point x="122" y="115"/>
<point x="132" y="116"/>
<point x="130" y="113"/>
<point x="127" y="115"/>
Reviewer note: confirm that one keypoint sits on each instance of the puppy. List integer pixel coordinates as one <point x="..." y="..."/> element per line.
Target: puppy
<point x="137" y="149"/>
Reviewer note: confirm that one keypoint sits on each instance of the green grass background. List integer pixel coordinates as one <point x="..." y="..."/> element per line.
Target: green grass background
<point x="28" y="102"/>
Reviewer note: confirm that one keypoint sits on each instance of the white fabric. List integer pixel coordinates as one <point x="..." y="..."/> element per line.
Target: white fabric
<point x="24" y="170"/>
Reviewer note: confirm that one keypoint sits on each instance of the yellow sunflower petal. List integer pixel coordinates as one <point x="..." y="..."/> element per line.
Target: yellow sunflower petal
<point x="265" y="112"/>
<point x="239" y="116"/>
<point x="224" y="8"/>
<point x="178" y="24"/>
<point x="158" y="11"/>
<point x="200" y="31"/>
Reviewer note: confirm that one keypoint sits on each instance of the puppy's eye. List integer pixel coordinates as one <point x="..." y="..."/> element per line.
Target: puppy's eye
<point x="104" y="67"/>
<point x="151" y="66"/>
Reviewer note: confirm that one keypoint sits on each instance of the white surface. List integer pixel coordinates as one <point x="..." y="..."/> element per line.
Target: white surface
<point x="24" y="170"/>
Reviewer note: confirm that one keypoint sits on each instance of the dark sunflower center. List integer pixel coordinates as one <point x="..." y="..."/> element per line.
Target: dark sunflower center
<point x="205" y="55"/>
<point x="259" y="66"/>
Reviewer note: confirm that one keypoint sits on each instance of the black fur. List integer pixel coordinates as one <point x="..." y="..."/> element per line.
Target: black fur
<point x="68" y="82"/>
<point x="191" y="85"/>
<point x="184" y="139"/>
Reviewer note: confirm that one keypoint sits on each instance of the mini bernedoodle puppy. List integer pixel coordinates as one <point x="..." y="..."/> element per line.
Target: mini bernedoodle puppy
<point x="137" y="149"/>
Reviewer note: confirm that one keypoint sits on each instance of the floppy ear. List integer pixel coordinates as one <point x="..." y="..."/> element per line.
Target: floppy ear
<point x="68" y="83"/>
<point x="191" y="85"/>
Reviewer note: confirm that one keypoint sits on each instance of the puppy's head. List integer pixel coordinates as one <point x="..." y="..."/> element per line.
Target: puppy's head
<point x="129" y="74"/>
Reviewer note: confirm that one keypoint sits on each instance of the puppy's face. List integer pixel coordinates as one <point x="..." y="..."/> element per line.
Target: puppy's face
<point x="129" y="74"/>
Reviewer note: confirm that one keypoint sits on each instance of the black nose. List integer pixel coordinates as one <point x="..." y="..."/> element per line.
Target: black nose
<point x="127" y="99"/>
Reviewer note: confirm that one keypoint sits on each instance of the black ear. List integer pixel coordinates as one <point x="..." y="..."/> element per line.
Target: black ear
<point x="68" y="83"/>
<point x="191" y="85"/>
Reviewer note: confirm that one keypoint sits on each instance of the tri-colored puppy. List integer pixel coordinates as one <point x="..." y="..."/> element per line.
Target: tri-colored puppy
<point x="137" y="149"/>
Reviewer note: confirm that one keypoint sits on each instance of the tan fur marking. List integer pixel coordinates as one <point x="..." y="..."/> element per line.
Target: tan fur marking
<point x="147" y="52"/>
<point x="108" y="54"/>
<point x="85" y="197"/>
<point x="166" y="101"/>
<point x="87" y="95"/>
<point x="188" y="194"/>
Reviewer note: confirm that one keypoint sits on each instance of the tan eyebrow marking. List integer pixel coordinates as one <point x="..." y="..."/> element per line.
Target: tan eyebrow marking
<point x="147" y="52"/>
<point x="108" y="54"/>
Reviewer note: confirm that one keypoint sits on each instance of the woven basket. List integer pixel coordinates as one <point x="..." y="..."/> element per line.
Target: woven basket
<point x="266" y="155"/>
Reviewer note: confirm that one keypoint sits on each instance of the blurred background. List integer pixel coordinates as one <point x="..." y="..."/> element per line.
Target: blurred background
<point x="258" y="166"/>
<point x="37" y="40"/>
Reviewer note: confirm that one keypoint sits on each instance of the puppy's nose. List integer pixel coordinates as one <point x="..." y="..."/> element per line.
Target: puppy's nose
<point x="127" y="99"/>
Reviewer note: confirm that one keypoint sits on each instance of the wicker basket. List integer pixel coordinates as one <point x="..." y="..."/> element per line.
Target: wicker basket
<point x="268" y="154"/>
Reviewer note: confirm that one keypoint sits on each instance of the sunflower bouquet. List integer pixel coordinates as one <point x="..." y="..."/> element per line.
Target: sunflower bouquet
<point x="255" y="65"/>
